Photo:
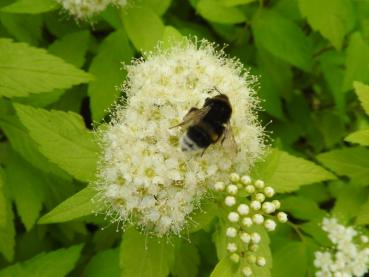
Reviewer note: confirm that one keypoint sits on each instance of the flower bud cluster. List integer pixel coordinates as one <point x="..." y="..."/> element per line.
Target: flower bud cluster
<point x="84" y="9"/>
<point x="348" y="257"/>
<point x="249" y="205"/>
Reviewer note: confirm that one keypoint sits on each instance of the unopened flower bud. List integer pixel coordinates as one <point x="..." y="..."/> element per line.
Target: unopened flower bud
<point x="230" y="201"/>
<point x="255" y="237"/>
<point x="258" y="219"/>
<point x="254" y="247"/>
<point x="255" y="205"/>
<point x="243" y="209"/>
<point x="231" y="247"/>
<point x="276" y="204"/>
<point x="235" y="258"/>
<point x="251" y="259"/>
<point x="246" y="180"/>
<point x="233" y="217"/>
<point x="250" y="189"/>
<point x="260" y="261"/>
<point x="269" y="191"/>
<point x="231" y="232"/>
<point x="364" y="239"/>
<point x="270" y="225"/>
<point x="247" y="221"/>
<point x="245" y="237"/>
<point x="246" y="271"/>
<point x="260" y="197"/>
<point x="268" y="207"/>
<point x="234" y="177"/>
<point x="259" y="184"/>
<point x="282" y="217"/>
<point x="232" y="189"/>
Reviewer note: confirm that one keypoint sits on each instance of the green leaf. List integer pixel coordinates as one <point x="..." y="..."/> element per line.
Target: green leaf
<point x="187" y="260"/>
<point x="7" y="230"/>
<point x="142" y="256"/>
<point x="231" y="3"/>
<point x="287" y="173"/>
<point x="294" y="253"/>
<point x="360" y="137"/>
<point x="72" y="48"/>
<point x="52" y="264"/>
<point x="31" y="6"/>
<point x="202" y="218"/>
<point x="171" y="36"/>
<point x="362" y="92"/>
<point x="225" y="268"/>
<point x="78" y="205"/>
<point x="23" y="27"/>
<point x="348" y="203"/>
<point x="357" y="62"/>
<point x="62" y="138"/>
<point x="281" y="37"/>
<point x="334" y="24"/>
<point x="143" y="26"/>
<point x="363" y="215"/>
<point x="25" y="69"/>
<point x="106" y="66"/>
<point x="302" y="208"/>
<point x="158" y="6"/>
<point x="214" y="11"/>
<point x="105" y="263"/>
<point x="27" y="189"/>
<point x="22" y="143"/>
<point x="352" y="162"/>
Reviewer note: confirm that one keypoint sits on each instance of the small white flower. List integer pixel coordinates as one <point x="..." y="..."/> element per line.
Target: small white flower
<point x="282" y="217"/>
<point x="255" y="205"/>
<point x="255" y="237"/>
<point x="247" y="221"/>
<point x="245" y="237"/>
<point x="231" y="247"/>
<point x="269" y="191"/>
<point x="84" y="9"/>
<point x="246" y="271"/>
<point x="246" y="180"/>
<point x="258" y="219"/>
<point x="233" y="217"/>
<point x="232" y="189"/>
<point x="243" y="209"/>
<point x="260" y="261"/>
<point x="230" y="201"/>
<point x="231" y="232"/>
<point x="159" y="184"/>
<point x="219" y="186"/>
<point x="268" y="207"/>
<point x="259" y="184"/>
<point x="270" y="225"/>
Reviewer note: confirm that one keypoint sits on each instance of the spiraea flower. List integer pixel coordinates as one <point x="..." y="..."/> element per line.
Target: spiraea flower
<point x="144" y="176"/>
<point x="349" y="255"/>
<point x="250" y="207"/>
<point x="84" y="9"/>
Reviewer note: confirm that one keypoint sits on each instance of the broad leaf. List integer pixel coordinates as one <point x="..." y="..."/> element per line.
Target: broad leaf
<point x="80" y="204"/>
<point x="25" y="69"/>
<point x="214" y="11"/>
<point x="361" y="137"/>
<point x="357" y="62"/>
<point x="106" y="67"/>
<point x="302" y="208"/>
<point x="52" y="264"/>
<point x="363" y="215"/>
<point x="224" y="268"/>
<point x="187" y="260"/>
<point x="158" y="6"/>
<point x="352" y="162"/>
<point x="334" y="24"/>
<point x="143" y="26"/>
<point x="287" y="173"/>
<point x="31" y="6"/>
<point x="142" y="256"/>
<point x="105" y="263"/>
<point x="62" y="138"/>
<point x="362" y="92"/>
<point x="282" y="38"/>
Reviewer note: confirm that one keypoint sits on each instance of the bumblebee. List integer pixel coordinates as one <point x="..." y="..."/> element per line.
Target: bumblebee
<point x="207" y="125"/>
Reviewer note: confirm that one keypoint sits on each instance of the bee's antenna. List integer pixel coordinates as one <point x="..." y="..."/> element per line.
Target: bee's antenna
<point x="217" y="90"/>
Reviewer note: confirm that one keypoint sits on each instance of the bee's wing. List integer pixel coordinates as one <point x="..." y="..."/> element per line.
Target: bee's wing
<point x="228" y="140"/>
<point x="193" y="117"/>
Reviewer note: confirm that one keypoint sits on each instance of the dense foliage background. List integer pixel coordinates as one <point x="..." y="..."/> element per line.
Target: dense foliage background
<point x="58" y="75"/>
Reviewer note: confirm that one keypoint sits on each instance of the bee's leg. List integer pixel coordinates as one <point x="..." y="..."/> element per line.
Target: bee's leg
<point x="203" y="151"/>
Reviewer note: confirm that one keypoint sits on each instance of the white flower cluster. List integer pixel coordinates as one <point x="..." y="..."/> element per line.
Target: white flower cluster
<point x="84" y="9"/>
<point x="254" y="209"/>
<point x="144" y="176"/>
<point x="348" y="258"/>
